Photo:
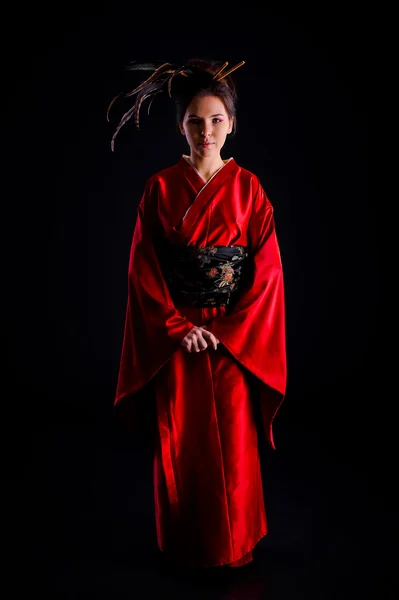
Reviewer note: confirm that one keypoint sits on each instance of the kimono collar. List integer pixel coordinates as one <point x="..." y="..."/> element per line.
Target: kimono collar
<point x="186" y="163"/>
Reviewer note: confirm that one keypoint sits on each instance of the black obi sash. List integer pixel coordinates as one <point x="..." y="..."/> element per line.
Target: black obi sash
<point x="203" y="276"/>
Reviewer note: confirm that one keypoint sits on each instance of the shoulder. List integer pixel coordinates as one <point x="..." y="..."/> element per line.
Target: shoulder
<point x="249" y="177"/>
<point x="254" y="182"/>
<point x="162" y="176"/>
<point x="246" y="174"/>
<point x="153" y="187"/>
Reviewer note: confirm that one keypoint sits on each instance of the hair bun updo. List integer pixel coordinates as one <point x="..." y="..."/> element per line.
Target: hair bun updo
<point x="197" y="77"/>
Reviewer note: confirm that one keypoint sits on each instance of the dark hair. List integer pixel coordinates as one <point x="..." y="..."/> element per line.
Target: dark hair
<point x="197" y="77"/>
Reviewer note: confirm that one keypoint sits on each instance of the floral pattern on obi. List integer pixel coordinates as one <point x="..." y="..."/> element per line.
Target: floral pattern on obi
<point x="203" y="276"/>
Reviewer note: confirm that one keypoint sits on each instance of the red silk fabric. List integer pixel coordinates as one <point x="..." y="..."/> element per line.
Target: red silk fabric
<point x="207" y="483"/>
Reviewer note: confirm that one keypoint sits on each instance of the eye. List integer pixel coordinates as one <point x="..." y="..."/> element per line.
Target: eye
<point x="195" y="121"/>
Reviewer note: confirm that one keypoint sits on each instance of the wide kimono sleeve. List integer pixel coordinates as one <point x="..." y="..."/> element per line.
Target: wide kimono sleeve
<point x="153" y="327"/>
<point x="254" y="330"/>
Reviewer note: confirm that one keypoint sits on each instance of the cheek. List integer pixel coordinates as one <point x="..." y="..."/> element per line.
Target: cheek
<point x="190" y="132"/>
<point x="222" y="132"/>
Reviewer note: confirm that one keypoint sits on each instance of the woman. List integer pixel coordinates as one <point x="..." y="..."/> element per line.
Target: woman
<point x="205" y="324"/>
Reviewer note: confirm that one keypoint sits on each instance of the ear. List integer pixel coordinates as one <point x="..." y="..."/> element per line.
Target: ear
<point x="181" y="128"/>
<point x="231" y="121"/>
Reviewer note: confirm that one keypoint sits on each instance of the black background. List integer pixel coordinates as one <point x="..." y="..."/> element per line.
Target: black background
<point x="79" y="497"/>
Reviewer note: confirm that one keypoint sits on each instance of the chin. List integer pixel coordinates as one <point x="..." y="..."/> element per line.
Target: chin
<point x="207" y="150"/>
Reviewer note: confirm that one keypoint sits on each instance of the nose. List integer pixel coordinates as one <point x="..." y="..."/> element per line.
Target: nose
<point x="206" y="131"/>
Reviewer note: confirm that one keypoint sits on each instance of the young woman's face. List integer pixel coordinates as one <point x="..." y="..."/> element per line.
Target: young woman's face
<point x="206" y="125"/>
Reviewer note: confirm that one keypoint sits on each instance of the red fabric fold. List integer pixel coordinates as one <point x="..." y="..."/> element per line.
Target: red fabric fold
<point x="153" y="327"/>
<point x="254" y="330"/>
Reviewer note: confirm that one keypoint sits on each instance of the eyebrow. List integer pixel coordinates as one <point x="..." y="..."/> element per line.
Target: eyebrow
<point x="216" y="115"/>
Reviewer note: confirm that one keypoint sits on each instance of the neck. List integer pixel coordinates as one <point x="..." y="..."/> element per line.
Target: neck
<point x="206" y="166"/>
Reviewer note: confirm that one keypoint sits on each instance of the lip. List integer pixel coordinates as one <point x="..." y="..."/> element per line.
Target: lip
<point x="206" y="145"/>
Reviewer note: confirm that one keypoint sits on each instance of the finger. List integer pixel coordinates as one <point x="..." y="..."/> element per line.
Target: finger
<point x="214" y="342"/>
<point x="206" y="329"/>
<point x="186" y="344"/>
<point x="195" y="343"/>
<point x="209" y="336"/>
<point x="202" y="343"/>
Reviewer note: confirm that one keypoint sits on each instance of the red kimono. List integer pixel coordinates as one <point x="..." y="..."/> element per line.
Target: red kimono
<point x="207" y="482"/>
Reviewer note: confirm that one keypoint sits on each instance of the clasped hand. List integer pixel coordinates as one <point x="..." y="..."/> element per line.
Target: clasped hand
<point x="199" y="338"/>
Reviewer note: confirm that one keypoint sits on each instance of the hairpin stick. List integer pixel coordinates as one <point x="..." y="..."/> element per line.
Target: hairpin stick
<point x="220" y="70"/>
<point x="231" y="70"/>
